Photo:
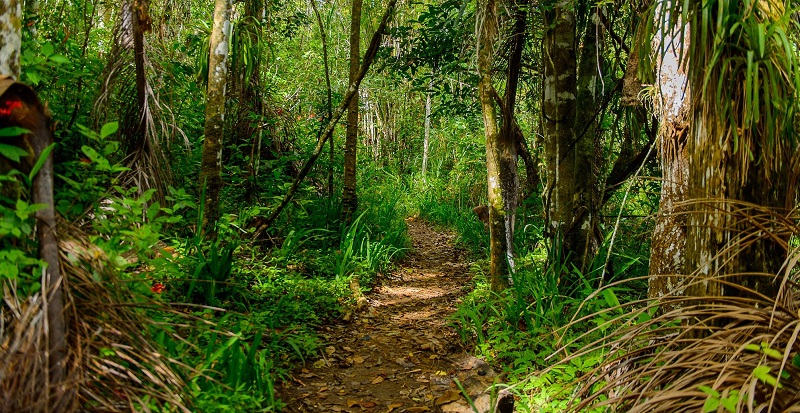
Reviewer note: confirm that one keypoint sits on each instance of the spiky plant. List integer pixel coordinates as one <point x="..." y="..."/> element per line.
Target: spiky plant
<point x="146" y="127"/>
<point x="734" y="353"/>
<point x="113" y="365"/>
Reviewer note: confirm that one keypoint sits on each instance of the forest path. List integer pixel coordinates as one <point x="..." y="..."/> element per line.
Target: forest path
<point x="398" y="355"/>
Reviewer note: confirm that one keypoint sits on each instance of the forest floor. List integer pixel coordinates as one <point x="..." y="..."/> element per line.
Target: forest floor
<point x="398" y="354"/>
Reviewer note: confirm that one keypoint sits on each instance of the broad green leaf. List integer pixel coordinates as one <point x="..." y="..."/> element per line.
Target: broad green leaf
<point x="13" y="131"/>
<point x="47" y="49"/>
<point x="108" y="129"/>
<point x="13" y="153"/>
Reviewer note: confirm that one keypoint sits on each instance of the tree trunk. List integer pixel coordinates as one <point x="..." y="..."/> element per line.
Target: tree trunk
<point x="580" y="241"/>
<point x="349" y="198"/>
<point x="215" y="112"/>
<point x="558" y="119"/>
<point x="328" y="94"/>
<point x="739" y="152"/>
<point x="10" y="39"/>
<point x="668" y="245"/>
<point x="139" y="140"/>
<point x="427" y="139"/>
<point x="23" y="109"/>
<point x="501" y="156"/>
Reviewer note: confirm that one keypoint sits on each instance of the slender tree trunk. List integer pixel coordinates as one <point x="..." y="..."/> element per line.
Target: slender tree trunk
<point x="328" y="94"/>
<point x="426" y="142"/>
<point x="139" y="139"/>
<point x="349" y="197"/>
<point x="215" y="111"/>
<point x="10" y="39"/>
<point x="501" y="156"/>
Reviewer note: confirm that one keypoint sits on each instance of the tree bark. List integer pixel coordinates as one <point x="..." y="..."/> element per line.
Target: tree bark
<point x="427" y="138"/>
<point x="215" y="112"/>
<point x="349" y="197"/>
<point x="668" y="245"/>
<point x="23" y="109"/>
<point x="558" y="119"/>
<point x="579" y="237"/>
<point x="501" y="156"/>
<point x="740" y="159"/>
<point x="10" y="38"/>
<point x="328" y="94"/>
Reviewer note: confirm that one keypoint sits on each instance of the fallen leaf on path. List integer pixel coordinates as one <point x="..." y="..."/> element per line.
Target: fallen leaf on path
<point x="405" y="363"/>
<point x="358" y="359"/>
<point x="418" y="409"/>
<point x="351" y="402"/>
<point x="393" y="406"/>
<point x="319" y="364"/>
<point x="330" y="350"/>
<point x="367" y="405"/>
<point x="448" y="397"/>
<point x="377" y="380"/>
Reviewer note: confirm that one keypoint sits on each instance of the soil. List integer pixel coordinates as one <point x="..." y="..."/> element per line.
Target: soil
<point x="398" y="353"/>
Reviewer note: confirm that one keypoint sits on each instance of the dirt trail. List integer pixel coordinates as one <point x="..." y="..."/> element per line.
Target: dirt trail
<point x="398" y="355"/>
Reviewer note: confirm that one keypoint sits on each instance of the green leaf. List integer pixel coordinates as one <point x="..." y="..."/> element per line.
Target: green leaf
<point x="709" y="391"/>
<point x="59" y="58"/>
<point x="47" y="49"/>
<point x="710" y="405"/>
<point x="33" y="77"/>
<point x="762" y="373"/>
<point x="40" y="162"/>
<point x="13" y="153"/>
<point x="13" y="131"/>
<point x="108" y="129"/>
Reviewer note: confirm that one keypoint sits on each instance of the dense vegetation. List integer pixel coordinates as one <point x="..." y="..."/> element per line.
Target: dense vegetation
<point x="623" y="173"/>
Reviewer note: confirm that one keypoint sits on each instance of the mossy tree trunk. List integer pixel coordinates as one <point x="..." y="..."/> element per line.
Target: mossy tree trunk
<point x="584" y="154"/>
<point x="215" y="111"/>
<point x="501" y="154"/>
<point x="558" y="119"/>
<point x="349" y="197"/>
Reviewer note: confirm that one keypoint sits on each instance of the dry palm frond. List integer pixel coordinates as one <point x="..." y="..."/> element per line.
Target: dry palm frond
<point x="113" y="366"/>
<point x="738" y="351"/>
<point x="146" y="129"/>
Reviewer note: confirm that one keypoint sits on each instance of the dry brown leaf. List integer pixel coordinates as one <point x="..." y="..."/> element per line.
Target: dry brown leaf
<point x="393" y="406"/>
<point x="351" y="402"/>
<point x="367" y="405"/>
<point x="358" y="359"/>
<point x="448" y="397"/>
<point x="377" y="380"/>
<point x="330" y="350"/>
<point x="418" y="409"/>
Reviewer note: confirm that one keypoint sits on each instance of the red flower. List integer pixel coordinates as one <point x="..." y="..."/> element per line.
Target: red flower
<point x="157" y="288"/>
